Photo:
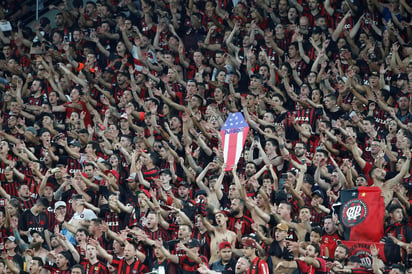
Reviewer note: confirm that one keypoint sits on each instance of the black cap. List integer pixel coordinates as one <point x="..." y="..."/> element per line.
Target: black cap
<point x="318" y="193"/>
<point x="193" y="243"/>
<point x="200" y="192"/>
<point x="165" y="171"/>
<point x="374" y="73"/>
<point x="77" y="197"/>
<point x="41" y="233"/>
<point x="256" y="75"/>
<point x="354" y="259"/>
<point x="44" y="21"/>
<point x="402" y="76"/>
<point x="184" y="183"/>
<point x="75" y="143"/>
<point x="316" y="30"/>
<point x="110" y="70"/>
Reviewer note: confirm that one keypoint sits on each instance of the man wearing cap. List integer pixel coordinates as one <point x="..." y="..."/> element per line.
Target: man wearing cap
<point x="226" y="264"/>
<point x="190" y="261"/>
<point x="318" y="210"/>
<point x="10" y="248"/>
<point x="278" y="249"/>
<point x="62" y="263"/>
<point x="36" y="244"/>
<point x="257" y="265"/>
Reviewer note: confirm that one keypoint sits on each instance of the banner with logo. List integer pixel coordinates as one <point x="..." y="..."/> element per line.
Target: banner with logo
<point x="234" y="133"/>
<point x="361" y="212"/>
<point x="362" y="249"/>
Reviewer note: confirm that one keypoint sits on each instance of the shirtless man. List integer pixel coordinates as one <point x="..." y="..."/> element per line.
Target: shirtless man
<point x="214" y="190"/>
<point x="262" y="202"/>
<point x="219" y="234"/>
<point x="377" y="175"/>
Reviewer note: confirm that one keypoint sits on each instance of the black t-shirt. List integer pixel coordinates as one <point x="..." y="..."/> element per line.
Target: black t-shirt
<point x="276" y="250"/>
<point x="28" y="221"/>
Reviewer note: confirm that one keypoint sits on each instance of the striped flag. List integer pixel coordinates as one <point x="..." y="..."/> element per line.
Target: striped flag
<point x="234" y="133"/>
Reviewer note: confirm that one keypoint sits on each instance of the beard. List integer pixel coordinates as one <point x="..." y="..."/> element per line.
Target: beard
<point x="35" y="245"/>
<point x="234" y="213"/>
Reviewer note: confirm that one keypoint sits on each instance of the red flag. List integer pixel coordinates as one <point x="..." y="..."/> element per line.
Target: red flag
<point x="362" y="213"/>
<point x="234" y="133"/>
<point x="362" y="249"/>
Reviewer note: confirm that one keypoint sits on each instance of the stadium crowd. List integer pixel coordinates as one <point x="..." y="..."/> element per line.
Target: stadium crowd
<point x="111" y="157"/>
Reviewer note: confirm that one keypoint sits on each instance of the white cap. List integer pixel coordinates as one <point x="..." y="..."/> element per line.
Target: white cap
<point x="59" y="204"/>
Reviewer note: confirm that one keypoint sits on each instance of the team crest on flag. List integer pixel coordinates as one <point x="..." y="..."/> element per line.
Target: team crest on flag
<point x="234" y="133"/>
<point x="361" y="211"/>
<point x="354" y="212"/>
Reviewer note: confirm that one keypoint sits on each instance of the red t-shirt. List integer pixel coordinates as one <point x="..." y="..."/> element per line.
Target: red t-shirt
<point x="310" y="269"/>
<point x="330" y="242"/>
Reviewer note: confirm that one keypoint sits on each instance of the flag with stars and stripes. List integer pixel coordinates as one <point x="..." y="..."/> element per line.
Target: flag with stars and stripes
<point x="234" y="133"/>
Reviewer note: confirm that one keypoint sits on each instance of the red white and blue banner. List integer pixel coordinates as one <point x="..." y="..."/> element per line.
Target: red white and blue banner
<point x="234" y="133"/>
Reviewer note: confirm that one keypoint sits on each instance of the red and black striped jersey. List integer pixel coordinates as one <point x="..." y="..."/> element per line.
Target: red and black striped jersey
<point x="117" y="92"/>
<point x="204" y="240"/>
<point x="188" y="265"/>
<point x="11" y="187"/>
<point x="124" y="268"/>
<point x="160" y="233"/>
<point x="55" y="270"/>
<point x="317" y="217"/>
<point x="150" y="174"/>
<point x="113" y="219"/>
<point x="27" y="204"/>
<point x="246" y="224"/>
<point x="97" y="268"/>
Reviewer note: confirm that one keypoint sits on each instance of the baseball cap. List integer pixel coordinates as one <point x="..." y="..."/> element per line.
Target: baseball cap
<point x="31" y="129"/>
<point x="11" y="239"/>
<point x="59" y="204"/>
<point x="316" y="30"/>
<point x="145" y="192"/>
<point x="75" y="143"/>
<point x="113" y="172"/>
<point x="41" y="233"/>
<point x="282" y="226"/>
<point x="249" y="243"/>
<point x="374" y="74"/>
<point x="200" y="192"/>
<point x="193" y="243"/>
<point x="318" y="193"/>
<point x="354" y="259"/>
<point x="224" y="245"/>
<point x="402" y="76"/>
<point x="165" y="171"/>
<point x="131" y="177"/>
<point x="184" y="183"/>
